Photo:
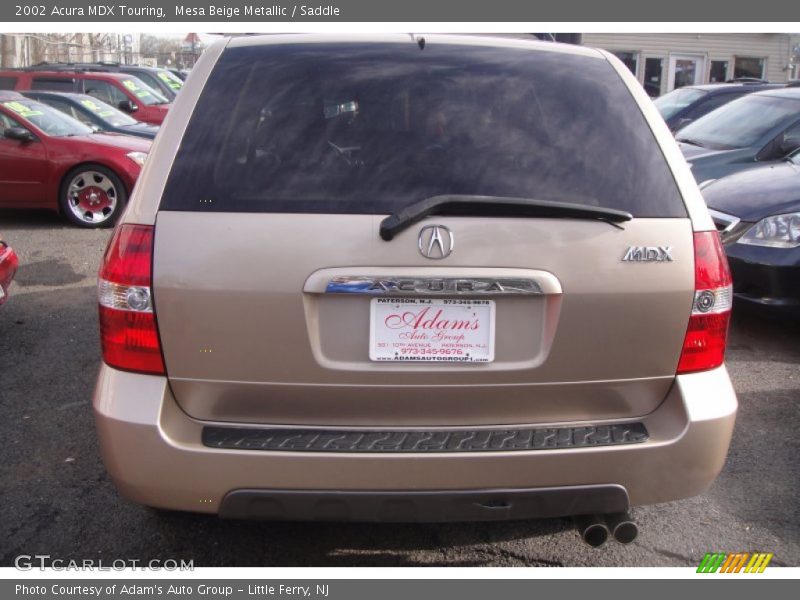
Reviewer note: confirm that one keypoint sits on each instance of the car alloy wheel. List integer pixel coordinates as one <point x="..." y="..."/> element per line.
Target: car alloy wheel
<point x="92" y="197"/>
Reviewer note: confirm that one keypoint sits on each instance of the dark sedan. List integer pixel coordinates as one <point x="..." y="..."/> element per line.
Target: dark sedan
<point x="687" y="104"/>
<point x="95" y="113"/>
<point x="758" y="215"/>
<point x="758" y="129"/>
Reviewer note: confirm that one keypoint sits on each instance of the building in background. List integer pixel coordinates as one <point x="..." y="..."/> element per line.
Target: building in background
<point x="25" y="49"/>
<point x="661" y="61"/>
<point x="665" y="61"/>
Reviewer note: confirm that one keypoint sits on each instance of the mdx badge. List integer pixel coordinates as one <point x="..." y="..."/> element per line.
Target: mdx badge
<point x="435" y="241"/>
<point x="648" y="254"/>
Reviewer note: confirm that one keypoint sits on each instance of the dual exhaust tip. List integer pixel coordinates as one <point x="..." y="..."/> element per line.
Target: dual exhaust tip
<point x="595" y="529"/>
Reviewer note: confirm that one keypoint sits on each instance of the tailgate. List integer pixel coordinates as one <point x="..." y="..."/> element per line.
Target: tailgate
<point x="253" y="332"/>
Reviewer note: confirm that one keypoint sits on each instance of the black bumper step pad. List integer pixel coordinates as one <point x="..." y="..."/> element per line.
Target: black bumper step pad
<point x="478" y="440"/>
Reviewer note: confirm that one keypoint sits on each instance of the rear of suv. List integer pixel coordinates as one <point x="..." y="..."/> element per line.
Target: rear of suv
<point x="413" y="278"/>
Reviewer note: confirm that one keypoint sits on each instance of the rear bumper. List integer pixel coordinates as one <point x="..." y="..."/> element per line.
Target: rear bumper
<point x="430" y="506"/>
<point x="155" y="455"/>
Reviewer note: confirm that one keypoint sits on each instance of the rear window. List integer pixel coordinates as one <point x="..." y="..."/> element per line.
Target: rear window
<point x="372" y="128"/>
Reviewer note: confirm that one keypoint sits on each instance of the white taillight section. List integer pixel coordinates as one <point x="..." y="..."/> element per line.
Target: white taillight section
<point x="713" y="301"/>
<point x="124" y="297"/>
<point x="707" y="333"/>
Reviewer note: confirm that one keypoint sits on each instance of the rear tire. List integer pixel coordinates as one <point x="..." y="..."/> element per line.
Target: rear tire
<point x="92" y="196"/>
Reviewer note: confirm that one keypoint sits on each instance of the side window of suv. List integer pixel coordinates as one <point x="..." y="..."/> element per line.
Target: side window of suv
<point x="53" y="84"/>
<point x="104" y="91"/>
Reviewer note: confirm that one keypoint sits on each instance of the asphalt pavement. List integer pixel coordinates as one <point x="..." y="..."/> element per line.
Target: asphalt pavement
<point x="56" y="499"/>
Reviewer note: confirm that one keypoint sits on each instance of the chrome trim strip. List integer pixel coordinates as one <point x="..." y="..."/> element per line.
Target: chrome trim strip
<point x="727" y="221"/>
<point x="432" y="286"/>
<point x="317" y="282"/>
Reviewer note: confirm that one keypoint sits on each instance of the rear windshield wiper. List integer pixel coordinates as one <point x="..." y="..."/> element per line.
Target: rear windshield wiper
<point x="708" y="145"/>
<point x="690" y="141"/>
<point x="495" y="206"/>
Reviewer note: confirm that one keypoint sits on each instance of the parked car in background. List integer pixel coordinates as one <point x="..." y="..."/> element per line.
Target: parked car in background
<point x="760" y="128"/>
<point x="416" y="379"/>
<point x="8" y="267"/>
<point x="180" y="73"/>
<point x="121" y="90"/>
<point x="758" y="215"/>
<point x="95" y="113"/>
<point x="158" y="79"/>
<point x="684" y="105"/>
<point x="53" y="161"/>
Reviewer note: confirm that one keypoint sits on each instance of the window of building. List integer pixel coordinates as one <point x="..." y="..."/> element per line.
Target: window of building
<point x="748" y="66"/>
<point x="719" y="71"/>
<point x="686" y="72"/>
<point x="631" y="60"/>
<point x="653" y="75"/>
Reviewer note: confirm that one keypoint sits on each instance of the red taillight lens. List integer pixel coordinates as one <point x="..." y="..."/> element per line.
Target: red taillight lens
<point x="128" y="329"/>
<point x="710" y="263"/>
<point x="707" y="333"/>
<point x="129" y="256"/>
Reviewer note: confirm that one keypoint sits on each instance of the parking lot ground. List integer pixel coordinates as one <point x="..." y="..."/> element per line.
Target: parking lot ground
<point x="57" y="499"/>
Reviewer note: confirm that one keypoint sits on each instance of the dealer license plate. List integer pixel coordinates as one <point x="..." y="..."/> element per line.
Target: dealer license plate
<point x="431" y="330"/>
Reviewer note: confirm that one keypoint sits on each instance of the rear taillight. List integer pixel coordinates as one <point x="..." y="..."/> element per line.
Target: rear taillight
<point x="707" y="334"/>
<point x="128" y="330"/>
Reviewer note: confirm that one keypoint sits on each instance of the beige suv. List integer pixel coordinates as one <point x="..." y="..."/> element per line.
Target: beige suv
<point x="400" y="278"/>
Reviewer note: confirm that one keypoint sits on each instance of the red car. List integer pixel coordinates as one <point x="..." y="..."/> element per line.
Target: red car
<point x="8" y="266"/>
<point x="126" y="92"/>
<point x="50" y="160"/>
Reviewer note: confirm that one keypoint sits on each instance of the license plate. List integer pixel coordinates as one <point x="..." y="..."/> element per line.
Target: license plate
<point x="431" y="330"/>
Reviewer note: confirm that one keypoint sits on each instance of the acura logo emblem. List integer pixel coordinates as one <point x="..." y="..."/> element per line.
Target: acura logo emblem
<point x="435" y="241"/>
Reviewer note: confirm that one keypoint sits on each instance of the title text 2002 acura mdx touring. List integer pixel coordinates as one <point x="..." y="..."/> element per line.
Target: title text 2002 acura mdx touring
<point x="407" y="278"/>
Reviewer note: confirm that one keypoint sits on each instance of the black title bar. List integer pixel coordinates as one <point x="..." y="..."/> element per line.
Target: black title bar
<point x="55" y="11"/>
